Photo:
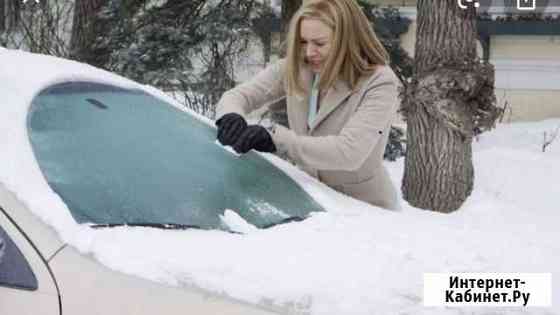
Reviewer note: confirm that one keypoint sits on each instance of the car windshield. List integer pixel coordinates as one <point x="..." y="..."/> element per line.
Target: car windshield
<point x="118" y="156"/>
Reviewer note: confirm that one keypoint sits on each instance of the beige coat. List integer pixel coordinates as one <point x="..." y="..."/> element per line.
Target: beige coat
<point x="344" y="147"/>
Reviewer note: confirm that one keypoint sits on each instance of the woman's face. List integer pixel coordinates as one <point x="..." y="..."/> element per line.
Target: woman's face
<point x="315" y="42"/>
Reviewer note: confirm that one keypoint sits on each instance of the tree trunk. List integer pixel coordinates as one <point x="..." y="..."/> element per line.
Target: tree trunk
<point x="262" y="26"/>
<point x="267" y="48"/>
<point x="83" y="32"/>
<point x="443" y="105"/>
<point x="13" y="14"/>
<point x="2" y="15"/>
<point x="289" y="7"/>
<point x="278" y="110"/>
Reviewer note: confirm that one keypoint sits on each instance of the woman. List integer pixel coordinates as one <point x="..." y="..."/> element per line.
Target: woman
<point x="341" y="98"/>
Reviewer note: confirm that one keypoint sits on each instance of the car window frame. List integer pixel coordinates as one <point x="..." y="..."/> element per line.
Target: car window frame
<point x="21" y="262"/>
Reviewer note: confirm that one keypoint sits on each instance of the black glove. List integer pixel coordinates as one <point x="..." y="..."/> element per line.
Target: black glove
<point x="230" y="127"/>
<point x="254" y="137"/>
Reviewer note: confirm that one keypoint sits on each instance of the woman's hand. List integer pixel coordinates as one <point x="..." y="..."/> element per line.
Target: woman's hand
<point x="230" y="127"/>
<point x="254" y="137"/>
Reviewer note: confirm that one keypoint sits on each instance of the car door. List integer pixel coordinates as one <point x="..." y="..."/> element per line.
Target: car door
<point x="26" y="284"/>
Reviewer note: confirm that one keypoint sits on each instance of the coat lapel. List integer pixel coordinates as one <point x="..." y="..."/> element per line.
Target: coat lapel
<point x="334" y="98"/>
<point x="299" y="106"/>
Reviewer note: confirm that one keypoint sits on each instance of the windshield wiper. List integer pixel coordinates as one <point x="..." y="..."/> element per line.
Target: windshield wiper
<point x="165" y="226"/>
<point x="177" y="226"/>
<point x="286" y="220"/>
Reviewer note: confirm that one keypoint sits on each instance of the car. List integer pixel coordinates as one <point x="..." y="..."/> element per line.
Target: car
<point x="87" y="149"/>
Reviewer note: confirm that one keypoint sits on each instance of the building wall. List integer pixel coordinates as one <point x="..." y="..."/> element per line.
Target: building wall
<point x="527" y="72"/>
<point x="529" y="105"/>
<point x="525" y="47"/>
<point x="530" y="86"/>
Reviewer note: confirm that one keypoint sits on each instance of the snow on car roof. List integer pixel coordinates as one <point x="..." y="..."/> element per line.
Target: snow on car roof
<point x="351" y="259"/>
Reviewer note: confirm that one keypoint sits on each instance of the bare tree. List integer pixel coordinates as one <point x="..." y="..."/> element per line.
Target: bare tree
<point x="217" y="58"/>
<point x="450" y="97"/>
<point x="549" y="138"/>
<point x="38" y="27"/>
<point x="264" y="25"/>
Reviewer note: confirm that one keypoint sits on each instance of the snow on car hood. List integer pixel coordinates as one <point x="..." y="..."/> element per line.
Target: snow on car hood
<point x="351" y="259"/>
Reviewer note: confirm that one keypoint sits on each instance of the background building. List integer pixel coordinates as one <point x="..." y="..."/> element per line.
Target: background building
<point x="525" y="50"/>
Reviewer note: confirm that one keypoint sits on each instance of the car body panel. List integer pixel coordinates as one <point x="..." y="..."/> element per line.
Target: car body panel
<point x="81" y="280"/>
<point x="84" y="282"/>
<point x="23" y="301"/>
<point x="44" y="237"/>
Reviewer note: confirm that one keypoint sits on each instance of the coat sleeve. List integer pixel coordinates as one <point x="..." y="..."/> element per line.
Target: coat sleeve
<point x="264" y="88"/>
<point x="349" y="149"/>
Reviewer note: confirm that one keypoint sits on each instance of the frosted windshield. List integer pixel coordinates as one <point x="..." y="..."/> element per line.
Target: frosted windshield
<point x="123" y="156"/>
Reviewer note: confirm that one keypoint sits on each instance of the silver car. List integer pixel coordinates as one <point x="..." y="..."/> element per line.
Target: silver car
<point x="116" y="153"/>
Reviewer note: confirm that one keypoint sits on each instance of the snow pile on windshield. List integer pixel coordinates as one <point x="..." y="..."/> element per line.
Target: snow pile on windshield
<point x="351" y="259"/>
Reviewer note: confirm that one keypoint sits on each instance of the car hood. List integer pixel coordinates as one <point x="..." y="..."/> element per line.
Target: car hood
<point x="105" y="291"/>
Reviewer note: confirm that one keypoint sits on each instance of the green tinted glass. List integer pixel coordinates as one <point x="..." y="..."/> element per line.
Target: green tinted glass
<point x="123" y="156"/>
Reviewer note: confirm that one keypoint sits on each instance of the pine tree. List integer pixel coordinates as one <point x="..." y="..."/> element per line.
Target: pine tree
<point x="177" y="45"/>
<point x="115" y="26"/>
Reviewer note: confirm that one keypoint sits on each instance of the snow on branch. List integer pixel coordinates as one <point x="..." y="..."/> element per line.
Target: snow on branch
<point x="548" y="139"/>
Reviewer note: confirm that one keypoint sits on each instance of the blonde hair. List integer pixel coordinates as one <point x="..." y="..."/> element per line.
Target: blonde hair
<point x="355" y="49"/>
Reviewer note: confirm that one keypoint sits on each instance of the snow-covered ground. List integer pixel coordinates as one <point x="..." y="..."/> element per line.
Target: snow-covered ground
<point x="351" y="259"/>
